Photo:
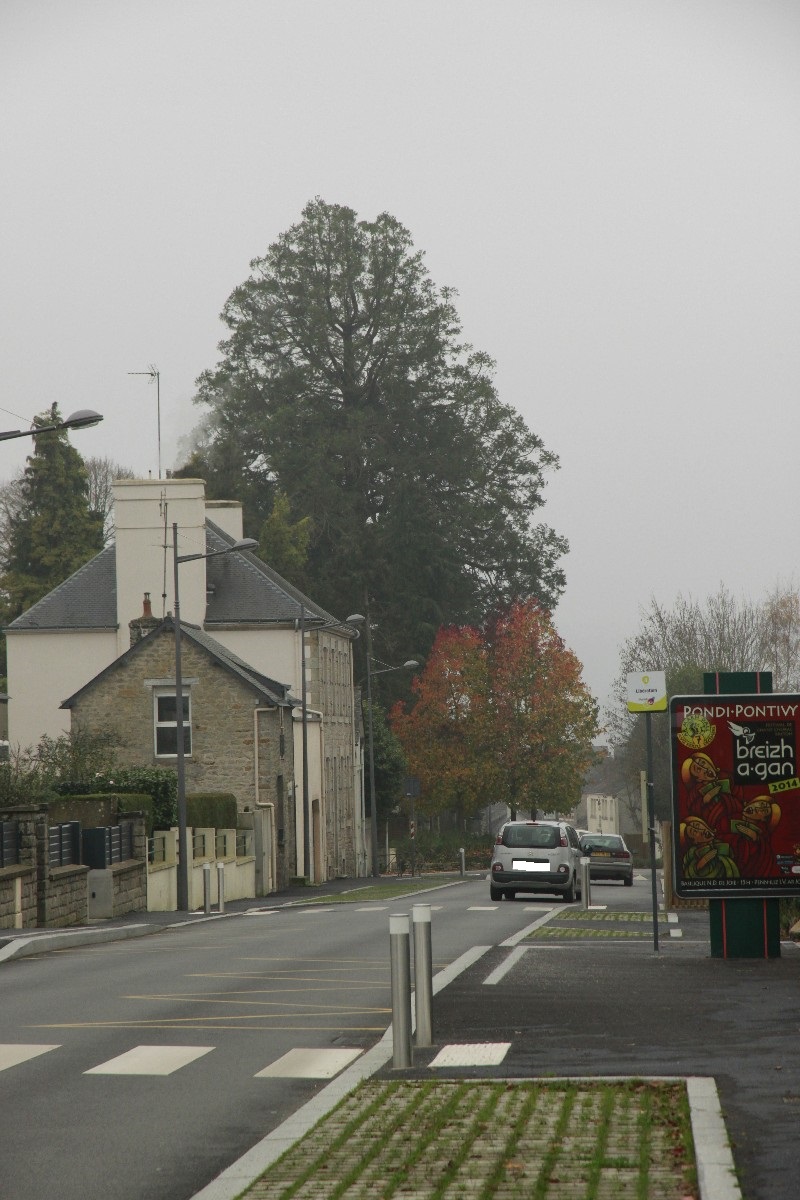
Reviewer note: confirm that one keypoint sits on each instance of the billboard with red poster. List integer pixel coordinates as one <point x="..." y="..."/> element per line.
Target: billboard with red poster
<point x="736" y="795"/>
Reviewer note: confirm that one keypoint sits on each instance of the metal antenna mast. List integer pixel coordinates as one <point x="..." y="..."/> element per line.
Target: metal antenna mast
<point x="154" y="373"/>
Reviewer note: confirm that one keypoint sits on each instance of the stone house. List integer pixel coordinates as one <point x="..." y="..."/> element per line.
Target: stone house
<point x="235" y="724"/>
<point x="73" y="634"/>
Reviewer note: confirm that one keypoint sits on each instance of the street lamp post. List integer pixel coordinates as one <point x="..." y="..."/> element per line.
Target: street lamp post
<point x="373" y="808"/>
<point x="84" y="418"/>
<point x="353" y="619"/>
<point x="183" y="858"/>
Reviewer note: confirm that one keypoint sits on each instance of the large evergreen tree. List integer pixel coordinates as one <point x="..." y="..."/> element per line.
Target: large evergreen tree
<point x="53" y="531"/>
<point x="344" y="384"/>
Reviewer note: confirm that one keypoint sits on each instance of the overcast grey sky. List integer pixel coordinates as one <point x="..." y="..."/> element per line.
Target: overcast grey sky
<point x="612" y="186"/>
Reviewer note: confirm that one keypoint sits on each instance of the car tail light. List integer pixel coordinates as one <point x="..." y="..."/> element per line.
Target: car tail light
<point x="564" y="841"/>
<point x="620" y="853"/>
<point x="498" y="841"/>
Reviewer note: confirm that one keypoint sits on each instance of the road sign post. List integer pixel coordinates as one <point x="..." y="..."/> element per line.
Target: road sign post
<point x="647" y="693"/>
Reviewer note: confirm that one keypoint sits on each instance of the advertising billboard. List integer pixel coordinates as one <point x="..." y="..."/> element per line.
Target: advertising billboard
<point x="736" y="795"/>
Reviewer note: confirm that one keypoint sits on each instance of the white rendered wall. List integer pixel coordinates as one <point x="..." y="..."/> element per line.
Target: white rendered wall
<point x="46" y="668"/>
<point x="274" y="652"/>
<point x="144" y="513"/>
<point x="227" y="514"/>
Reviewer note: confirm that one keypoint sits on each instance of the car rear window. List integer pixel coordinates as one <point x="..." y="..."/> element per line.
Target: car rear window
<point x="602" y="842"/>
<point x="543" y="837"/>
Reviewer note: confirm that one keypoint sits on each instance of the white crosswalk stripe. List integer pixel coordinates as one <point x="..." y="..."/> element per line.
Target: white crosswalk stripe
<point x="309" y="1064"/>
<point x="15" y="1053"/>
<point x="474" y="1054"/>
<point x="151" y="1060"/>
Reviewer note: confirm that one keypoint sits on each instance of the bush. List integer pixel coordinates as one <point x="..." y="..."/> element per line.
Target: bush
<point x="440" y="851"/>
<point x="211" y="810"/>
<point x="157" y="783"/>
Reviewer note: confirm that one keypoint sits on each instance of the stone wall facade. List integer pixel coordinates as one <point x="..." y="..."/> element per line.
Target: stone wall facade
<point x="331" y="691"/>
<point x="236" y="742"/>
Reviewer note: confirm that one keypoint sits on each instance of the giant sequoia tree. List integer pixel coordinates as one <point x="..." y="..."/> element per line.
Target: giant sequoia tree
<point x="345" y="386"/>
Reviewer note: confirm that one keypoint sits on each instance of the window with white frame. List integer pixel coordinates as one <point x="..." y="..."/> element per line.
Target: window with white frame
<point x="165" y="721"/>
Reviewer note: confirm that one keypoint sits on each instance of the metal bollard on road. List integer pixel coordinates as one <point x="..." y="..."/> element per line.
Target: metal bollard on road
<point x="400" y="959"/>
<point x="423" y="973"/>
<point x="586" y="884"/>
<point x="221" y="886"/>
<point x="206" y="888"/>
<point x="462" y="861"/>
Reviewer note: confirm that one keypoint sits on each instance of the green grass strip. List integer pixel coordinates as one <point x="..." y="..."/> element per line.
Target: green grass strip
<point x="436" y="1124"/>
<point x="583" y="914"/>
<point x="598" y="1159"/>
<point x="492" y="1185"/>
<point x="554" y="1153"/>
<point x="645" y="1128"/>
<point x="350" y="1130"/>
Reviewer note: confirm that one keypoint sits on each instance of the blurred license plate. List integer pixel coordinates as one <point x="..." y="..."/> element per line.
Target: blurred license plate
<point x="601" y="854"/>
<point x="522" y="864"/>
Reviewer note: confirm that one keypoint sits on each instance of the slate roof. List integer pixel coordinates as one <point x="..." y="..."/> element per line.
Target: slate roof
<point x="243" y="590"/>
<point x="265" y="688"/>
<point x="87" y="600"/>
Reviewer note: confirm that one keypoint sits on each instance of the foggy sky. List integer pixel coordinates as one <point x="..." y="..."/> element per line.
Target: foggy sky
<point x="611" y="186"/>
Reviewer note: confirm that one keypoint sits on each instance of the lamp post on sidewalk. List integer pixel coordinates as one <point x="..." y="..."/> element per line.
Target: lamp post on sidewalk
<point x="353" y="619"/>
<point x="180" y="750"/>
<point x="373" y="808"/>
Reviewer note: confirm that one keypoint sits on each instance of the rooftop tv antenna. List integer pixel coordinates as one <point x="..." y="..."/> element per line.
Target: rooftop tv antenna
<point x="154" y="373"/>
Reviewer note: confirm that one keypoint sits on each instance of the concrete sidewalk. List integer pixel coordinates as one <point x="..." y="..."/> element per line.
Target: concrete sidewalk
<point x="518" y="1128"/>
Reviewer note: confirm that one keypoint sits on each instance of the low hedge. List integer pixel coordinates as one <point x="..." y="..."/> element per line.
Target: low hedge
<point x="211" y="810"/>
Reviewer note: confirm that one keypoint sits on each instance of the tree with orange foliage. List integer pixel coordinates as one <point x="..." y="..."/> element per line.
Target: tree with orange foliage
<point x="500" y="714"/>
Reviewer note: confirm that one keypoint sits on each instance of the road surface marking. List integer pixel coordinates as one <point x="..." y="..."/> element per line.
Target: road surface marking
<point x="12" y="1055"/>
<point x="478" y="1054"/>
<point x="309" y="1064"/>
<point x="151" y="1060"/>
<point x="500" y="972"/>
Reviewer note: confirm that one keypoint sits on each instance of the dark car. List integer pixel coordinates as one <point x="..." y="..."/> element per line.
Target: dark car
<point x="536" y="856"/>
<point x="609" y="857"/>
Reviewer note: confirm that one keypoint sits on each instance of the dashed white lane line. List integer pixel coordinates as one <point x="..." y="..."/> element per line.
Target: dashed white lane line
<point x="511" y="959"/>
<point x="520" y="936"/>
<point x="309" y="1064"/>
<point x="13" y="1054"/>
<point x="151" y="1060"/>
<point x="475" y="1054"/>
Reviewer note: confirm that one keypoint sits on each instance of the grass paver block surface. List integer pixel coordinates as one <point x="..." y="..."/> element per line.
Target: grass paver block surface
<point x="494" y="1140"/>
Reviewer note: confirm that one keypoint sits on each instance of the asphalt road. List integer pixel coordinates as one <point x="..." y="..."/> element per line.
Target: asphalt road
<point x="236" y="995"/>
<point x="220" y="1001"/>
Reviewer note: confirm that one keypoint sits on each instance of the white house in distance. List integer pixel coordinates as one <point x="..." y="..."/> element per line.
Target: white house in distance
<point x="82" y="626"/>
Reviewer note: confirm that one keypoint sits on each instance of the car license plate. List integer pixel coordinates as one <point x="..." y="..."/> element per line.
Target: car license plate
<point x="601" y="854"/>
<point x="524" y="864"/>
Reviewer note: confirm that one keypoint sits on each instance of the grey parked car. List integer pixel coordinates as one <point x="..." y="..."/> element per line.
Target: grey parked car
<point x="536" y="856"/>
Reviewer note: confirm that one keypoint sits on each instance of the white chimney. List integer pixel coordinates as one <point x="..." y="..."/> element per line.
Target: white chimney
<point x="144" y="513"/>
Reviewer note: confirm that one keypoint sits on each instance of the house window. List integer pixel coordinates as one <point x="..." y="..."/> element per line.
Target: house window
<point x="166" y="725"/>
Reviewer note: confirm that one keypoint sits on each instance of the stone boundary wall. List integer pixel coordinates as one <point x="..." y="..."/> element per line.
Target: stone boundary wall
<point x="17" y="898"/>
<point x="66" y="897"/>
